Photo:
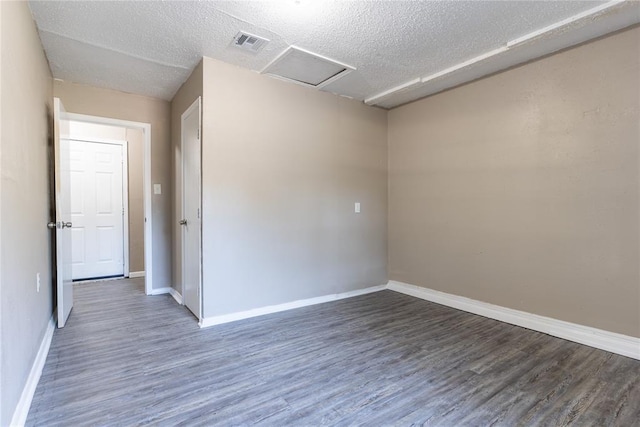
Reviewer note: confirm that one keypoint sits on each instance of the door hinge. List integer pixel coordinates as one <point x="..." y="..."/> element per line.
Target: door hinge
<point x="198" y="133"/>
<point x="198" y="213"/>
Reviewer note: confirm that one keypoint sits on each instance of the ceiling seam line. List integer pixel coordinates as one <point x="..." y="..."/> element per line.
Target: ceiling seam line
<point x="142" y="58"/>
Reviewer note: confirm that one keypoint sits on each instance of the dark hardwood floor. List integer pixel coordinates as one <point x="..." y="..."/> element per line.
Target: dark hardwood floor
<point x="380" y="359"/>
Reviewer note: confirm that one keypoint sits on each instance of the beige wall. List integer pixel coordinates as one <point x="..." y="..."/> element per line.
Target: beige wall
<point x="186" y="95"/>
<point x="282" y="168"/>
<point x="522" y="189"/>
<point x="25" y="246"/>
<point x="135" y="176"/>
<point x="119" y="105"/>
<point x="135" y="138"/>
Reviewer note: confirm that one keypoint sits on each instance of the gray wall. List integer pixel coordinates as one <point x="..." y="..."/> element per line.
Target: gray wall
<point x="522" y="189"/>
<point x="186" y="95"/>
<point x="119" y="105"/>
<point x="25" y="244"/>
<point x="282" y="168"/>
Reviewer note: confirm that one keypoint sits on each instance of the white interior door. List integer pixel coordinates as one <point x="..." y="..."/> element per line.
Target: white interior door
<point x="191" y="197"/>
<point x="97" y="209"/>
<point x="63" y="224"/>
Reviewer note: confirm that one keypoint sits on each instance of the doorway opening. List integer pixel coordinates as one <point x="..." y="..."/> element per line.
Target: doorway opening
<point x="110" y="195"/>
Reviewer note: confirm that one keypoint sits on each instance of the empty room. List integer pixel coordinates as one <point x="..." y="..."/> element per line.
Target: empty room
<point x="314" y="212"/>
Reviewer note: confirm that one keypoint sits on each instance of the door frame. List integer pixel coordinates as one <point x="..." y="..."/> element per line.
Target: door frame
<point x="125" y="191"/>
<point x="197" y="104"/>
<point x="147" y="190"/>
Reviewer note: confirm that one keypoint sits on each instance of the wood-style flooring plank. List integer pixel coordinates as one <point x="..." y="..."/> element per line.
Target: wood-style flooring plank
<point x="125" y="358"/>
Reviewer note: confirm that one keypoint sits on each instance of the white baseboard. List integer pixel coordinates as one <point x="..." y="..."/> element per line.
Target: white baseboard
<point x="609" y="341"/>
<point x="133" y="274"/>
<point x="168" y="290"/>
<point x="598" y="338"/>
<point x="226" y="318"/>
<point x="24" y="404"/>
<point x="176" y="295"/>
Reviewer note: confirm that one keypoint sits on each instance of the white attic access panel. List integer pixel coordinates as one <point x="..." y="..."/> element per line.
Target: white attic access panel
<point x="402" y="50"/>
<point x="307" y="68"/>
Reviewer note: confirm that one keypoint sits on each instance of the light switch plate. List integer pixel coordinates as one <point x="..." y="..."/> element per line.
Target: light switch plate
<point x="357" y="207"/>
<point x="157" y="189"/>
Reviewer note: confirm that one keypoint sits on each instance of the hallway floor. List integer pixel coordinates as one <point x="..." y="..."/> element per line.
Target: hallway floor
<point x="125" y="359"/>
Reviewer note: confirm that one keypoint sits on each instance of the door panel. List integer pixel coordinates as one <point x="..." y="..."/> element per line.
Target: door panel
<point x="62" y="170"/>
<point x="97" y="199"/>
<point x="191" y="197"/>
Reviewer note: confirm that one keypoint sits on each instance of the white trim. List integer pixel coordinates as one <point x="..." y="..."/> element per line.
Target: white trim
<point x="176" y="295"/>
<point x="147" y="191"/>
<point x="598" y="338"/>
<point x="461" y="65"/>
<point x="590" y="13"/>
<point x="551" y="32"/>
<point x="196" y="105"/>
<point x="411" y="84"/>
<point x="148" y="213"/>
<point x="125" y="206"/>
<point x="232" y="317"/>
<point x="168" y="290"/>
<point x="134" y="274"/>
<point x="24" y="404"/>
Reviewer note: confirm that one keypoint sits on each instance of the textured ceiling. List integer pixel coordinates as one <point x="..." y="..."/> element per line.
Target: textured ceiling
<point x="150" y="47"/>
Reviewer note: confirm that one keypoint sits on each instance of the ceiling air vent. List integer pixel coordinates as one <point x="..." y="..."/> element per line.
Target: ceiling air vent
<point x="249" y="42"/>
<point x="306" y="68"/>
